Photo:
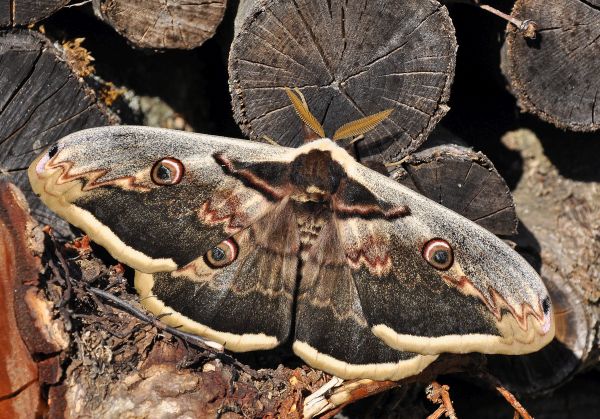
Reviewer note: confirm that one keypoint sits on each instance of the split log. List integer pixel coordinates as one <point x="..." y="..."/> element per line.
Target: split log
<point x="42" y="99"/>
<point x="350" y="59"/>
<point x="561" y="220"/>
<point x="20" y="392"/>
<point x="162" y="25"/>
<point x="555" y="76"/>
<point x="26" y="12"/>
<point x="463" y="181"/>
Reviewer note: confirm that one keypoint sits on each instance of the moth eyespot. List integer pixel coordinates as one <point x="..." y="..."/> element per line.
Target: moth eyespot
<point x="53" y="150"/>
<point x="167" y="171"/>
<point x="438" y="253"/>
<point x="546" y="305"/>
<point x="222" y="254"/>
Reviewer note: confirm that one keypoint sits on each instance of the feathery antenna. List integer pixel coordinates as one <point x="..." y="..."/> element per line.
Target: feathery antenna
<point x="360" y="126"/>
<point x="301" y="108"/>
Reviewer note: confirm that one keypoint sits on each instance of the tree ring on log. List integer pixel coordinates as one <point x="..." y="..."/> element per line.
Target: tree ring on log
<point x="463" y="181"/>
<point x="41" y="100"/>
<point x="158" y="24"/>
<point x="25" y="12"/>
<point x="350" y="59"/>
<point x="555" y="76"/>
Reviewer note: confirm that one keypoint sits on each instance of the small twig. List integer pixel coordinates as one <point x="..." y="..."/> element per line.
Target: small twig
<point x="68" y="292"/>
<point x="439" y="394"/>
<point x="528" y="27"/>
<point x="336" y="394"/>
<point x="82" y="3"/>
<point x="508" y="396"/>
<point x="397" y="163"/>
<point x="196" y="340"/>
<point x="269" y="140"/>
<point x="438" y="413"/>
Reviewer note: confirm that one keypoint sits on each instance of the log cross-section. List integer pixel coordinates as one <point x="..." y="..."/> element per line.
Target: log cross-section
<point x="350" y="59"/>
<point x="41" y="100"/>
<point x="555" y="76"/>
<point x="462" y="180"/>
<point x="163" y="24"/>
<point x="25" y="12"/>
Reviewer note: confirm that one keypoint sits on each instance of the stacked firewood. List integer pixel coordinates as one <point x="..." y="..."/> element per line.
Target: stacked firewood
<point x="63" y="68"/>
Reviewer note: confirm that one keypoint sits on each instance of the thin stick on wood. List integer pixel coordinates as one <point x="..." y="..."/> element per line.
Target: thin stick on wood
<point x="336" y="396"/>
<point x="439" y="394"/>
<point x="438" y="413"/>
<point x="508" y="396"/>
<point x="527" y="26"/>
<point x="519" y="409"/>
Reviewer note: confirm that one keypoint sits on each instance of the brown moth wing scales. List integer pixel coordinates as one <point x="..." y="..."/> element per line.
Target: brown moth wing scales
<point x="408" y="282"/>
<point x="490" y="300"/>
<point x="103" y="186"/>
<point x="244" y="306"/>
<point x="331" y="331"/>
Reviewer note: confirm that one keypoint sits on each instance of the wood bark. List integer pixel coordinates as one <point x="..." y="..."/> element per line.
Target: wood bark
<point x="350" y="59"/>
<point x="162" y="25"/>
<point x="25" y="12"/>
<point x="555" y="75"/>
<point x="42" y="99"/>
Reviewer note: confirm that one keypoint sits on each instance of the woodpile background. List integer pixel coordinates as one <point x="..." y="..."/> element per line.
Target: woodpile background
<point x="499" y="122"/>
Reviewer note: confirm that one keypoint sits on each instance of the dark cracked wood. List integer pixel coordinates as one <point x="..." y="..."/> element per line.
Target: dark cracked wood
<point x="350" y="59"/>
<point x="555" y="76"/>
<point x="26" y="12"/>
<point x="462" y="180"/>
<point x="163" y="24"/>
<point x="41" y="100"/>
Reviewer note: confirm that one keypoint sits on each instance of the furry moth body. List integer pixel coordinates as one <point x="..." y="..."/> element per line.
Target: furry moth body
<point x="250" y="245"/>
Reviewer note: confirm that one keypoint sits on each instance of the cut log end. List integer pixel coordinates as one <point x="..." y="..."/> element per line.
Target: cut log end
<point x="162" y="25"/>
<point x="350" y="59"/>
<point x="25" y="12"/>
<point x="463" y="181"/>
<point x="42" y="101"/>
<point x="554" y="76"/>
